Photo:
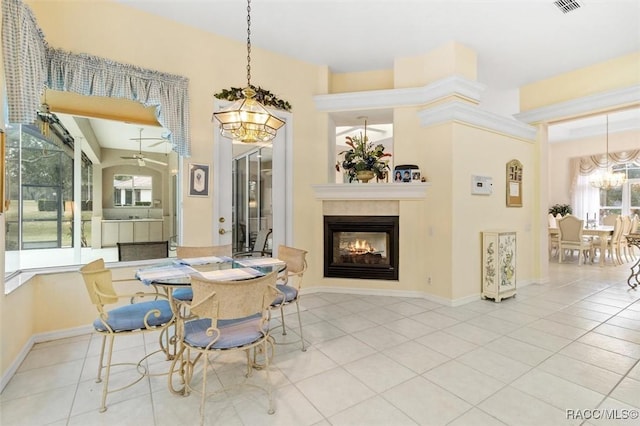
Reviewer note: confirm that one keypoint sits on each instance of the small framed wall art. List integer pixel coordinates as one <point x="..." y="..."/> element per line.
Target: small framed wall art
<point x="198" y="180"/>
<point x="514" y="183"/>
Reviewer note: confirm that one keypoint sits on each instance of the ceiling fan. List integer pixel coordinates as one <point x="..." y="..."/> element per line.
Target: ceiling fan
<point x="141" y="159"/>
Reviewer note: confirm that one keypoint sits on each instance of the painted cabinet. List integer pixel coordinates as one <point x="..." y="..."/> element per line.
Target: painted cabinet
<point x="499" y="250"/>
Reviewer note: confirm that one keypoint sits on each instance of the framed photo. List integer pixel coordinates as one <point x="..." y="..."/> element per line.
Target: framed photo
<point x="199" y="180"/>
<point x="416" y="176"/>
<point x="402" y="175"/>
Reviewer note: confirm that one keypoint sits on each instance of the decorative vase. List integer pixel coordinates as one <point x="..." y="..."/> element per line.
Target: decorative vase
<point x="365" y="176"/>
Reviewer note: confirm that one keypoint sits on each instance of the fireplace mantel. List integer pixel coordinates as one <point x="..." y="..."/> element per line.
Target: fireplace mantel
<point x="371" y="191"/>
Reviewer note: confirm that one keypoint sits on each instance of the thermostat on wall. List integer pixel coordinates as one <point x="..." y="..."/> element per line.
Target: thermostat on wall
<point x="481" y="185"/>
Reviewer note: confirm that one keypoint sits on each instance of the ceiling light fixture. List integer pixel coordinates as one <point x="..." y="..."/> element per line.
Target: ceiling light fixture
<point x="247" y="120"/>
<point x="607" y="179"/>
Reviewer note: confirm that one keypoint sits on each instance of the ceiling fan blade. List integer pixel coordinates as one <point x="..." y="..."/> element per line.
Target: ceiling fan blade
<point x="155" y="161"/>
<point x="129" y="158"/>
<point x="158" y="143"/>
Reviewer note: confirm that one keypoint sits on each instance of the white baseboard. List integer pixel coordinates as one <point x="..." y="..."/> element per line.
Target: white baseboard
<point x="39" y="338"/>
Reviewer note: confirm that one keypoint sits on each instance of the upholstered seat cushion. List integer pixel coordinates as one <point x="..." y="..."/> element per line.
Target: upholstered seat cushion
<point x="184" y="294"/>
<point x="290" y="293"/>
<point x="131" y="317"/>
<point x="233" y="333"/>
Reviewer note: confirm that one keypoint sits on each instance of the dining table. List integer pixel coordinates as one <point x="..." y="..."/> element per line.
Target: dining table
<point x="603" y="232"/>
<point x="169" y="275"/>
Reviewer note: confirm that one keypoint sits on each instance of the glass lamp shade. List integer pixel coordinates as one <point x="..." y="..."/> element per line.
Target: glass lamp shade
<point x="246" y="120"/>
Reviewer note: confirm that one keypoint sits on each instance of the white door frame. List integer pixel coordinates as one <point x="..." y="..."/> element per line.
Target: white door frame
<point x="282" y="176"/>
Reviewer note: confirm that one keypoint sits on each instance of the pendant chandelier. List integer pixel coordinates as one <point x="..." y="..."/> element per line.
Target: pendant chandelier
<point x="247" y="120"/>
<point x="607" y="179"/>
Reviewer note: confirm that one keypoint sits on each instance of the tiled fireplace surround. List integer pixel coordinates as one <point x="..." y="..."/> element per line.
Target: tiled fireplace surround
<point x="372" y="199"/>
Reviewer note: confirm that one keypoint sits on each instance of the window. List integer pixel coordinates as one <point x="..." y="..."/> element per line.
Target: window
<point x="131" y="190"/>
<point x="40" y="182"/>
<point x="624" y="200"/>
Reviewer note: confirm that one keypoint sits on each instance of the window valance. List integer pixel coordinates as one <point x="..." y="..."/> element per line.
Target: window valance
<point x="591" y="163"/>
<point x="31" y="65"/>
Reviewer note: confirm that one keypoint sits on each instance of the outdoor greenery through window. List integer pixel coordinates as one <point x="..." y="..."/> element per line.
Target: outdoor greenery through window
<point x="624" y="200"/>
<point x="39" y="181"/>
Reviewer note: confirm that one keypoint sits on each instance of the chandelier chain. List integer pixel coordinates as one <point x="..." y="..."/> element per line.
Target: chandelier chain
<point x="248" y="43"/>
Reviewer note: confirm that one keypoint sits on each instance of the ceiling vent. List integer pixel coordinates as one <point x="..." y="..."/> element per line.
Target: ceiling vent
<point x="567" y="6"/>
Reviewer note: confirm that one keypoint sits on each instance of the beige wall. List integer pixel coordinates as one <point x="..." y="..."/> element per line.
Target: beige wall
<point x="598" y="78"/>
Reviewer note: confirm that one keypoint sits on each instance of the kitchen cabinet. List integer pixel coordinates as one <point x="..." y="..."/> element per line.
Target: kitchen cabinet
<point x="131" y="231"/>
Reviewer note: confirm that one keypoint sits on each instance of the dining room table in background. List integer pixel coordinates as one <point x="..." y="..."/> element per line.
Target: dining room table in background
<point x="602" y="232"/>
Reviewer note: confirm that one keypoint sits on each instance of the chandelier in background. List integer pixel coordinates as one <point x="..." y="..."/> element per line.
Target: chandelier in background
<point x="607" y="179"/>
<point x="247" y="120"/>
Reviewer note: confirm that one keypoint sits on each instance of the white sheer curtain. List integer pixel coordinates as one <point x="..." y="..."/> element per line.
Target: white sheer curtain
<point x="584" y="197"/>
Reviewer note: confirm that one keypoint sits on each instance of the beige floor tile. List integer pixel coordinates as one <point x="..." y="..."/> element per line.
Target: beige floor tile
<point x="465" y="382"/>
<point x="425" y="402"/>
<point x="379" y="372"/>
<point x="590" y="376"/>
<point x="375" y="411"/>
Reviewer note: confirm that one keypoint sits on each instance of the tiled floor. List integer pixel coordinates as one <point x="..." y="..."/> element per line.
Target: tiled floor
<point x="568" y="348"/>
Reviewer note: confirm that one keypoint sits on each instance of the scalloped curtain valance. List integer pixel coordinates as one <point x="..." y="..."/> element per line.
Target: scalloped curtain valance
<point x="30" y="65"/>
<point x="591" y="163"/>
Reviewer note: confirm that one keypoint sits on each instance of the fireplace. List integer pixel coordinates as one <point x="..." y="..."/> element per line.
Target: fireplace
<point x="363" y="247"/>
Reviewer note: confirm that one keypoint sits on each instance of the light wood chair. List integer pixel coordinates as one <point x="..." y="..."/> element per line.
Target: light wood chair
<point x="144" y="316"/>
<point x="570" y="234"/>
<point x="612" y="251"/>
<point x="610" y="219"/>
<point x="231" y="316"/>
<point x="289" y="284"/>
<point x="623" y="246"/>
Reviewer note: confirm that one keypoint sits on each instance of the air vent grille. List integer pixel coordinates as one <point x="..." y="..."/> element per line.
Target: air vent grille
<point x="567" y="6"/>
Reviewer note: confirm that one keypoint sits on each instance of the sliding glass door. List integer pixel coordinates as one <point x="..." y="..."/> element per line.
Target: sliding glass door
<point x="252" y="196"/>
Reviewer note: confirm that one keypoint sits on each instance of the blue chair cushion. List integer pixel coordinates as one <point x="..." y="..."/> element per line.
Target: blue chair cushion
<point x="131" y="317"/>
<point x="289" y="292"/>
<point x="233" y="333"/>
<point x="184" y="293"/>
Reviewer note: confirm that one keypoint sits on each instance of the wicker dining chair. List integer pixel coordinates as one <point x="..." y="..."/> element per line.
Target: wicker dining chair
<point x="289" y="283"/>
<point x="144" y="316"/>
<point x="231" y="316"/>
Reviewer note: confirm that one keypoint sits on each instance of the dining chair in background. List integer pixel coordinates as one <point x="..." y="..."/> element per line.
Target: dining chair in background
<point x="613" y="241"/>
<point x="610" y="219"/>
<point x="635" y="225"/>
<point x="186" y="252"/>
<point x="260" y="246"/>
<point x="570" y="234"/>
<point x="231" y="316"/>
<point x="289" y="283"/>
<point x="144" y="316"/>
<point x="623" y="245"/>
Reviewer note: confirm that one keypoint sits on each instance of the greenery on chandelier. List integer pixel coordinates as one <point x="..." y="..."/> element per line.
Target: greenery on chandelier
<point x="364" y="155"/>
<point x="263" y="96"/>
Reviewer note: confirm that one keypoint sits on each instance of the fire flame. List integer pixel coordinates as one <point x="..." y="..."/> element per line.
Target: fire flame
<point x="360" y="247"/>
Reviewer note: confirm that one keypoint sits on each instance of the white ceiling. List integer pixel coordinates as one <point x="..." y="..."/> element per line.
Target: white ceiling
<point x="517" y="41"/>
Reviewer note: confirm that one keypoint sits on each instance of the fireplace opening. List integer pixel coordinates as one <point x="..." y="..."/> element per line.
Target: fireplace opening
<point x="363" y="247"/>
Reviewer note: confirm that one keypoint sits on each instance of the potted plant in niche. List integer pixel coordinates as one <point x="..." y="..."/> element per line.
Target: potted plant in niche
<point x="364" y="160"/>
<point x="563" y="209"/>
